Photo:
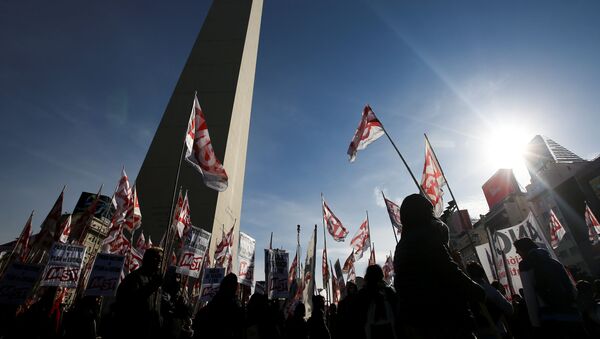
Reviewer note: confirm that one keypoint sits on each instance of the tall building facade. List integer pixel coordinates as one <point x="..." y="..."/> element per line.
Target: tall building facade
<point x="220" y="69"/>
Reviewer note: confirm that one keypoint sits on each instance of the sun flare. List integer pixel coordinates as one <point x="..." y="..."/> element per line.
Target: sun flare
<point x="505" y="147"/>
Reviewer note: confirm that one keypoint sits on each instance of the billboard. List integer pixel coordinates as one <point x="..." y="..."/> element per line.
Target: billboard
<point x="104" y="209"/>
<point x="499" y="186"/>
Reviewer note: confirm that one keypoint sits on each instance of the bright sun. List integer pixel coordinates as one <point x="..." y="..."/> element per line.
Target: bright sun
<point x="505" y="147"/>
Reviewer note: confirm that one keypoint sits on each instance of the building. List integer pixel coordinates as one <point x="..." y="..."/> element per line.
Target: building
<point x="563" y="182"/>
<point x="220" y="69"/>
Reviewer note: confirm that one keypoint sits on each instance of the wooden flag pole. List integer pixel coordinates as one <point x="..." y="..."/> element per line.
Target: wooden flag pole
<point x="393" y="228"/>
<point x="471" y="243"/>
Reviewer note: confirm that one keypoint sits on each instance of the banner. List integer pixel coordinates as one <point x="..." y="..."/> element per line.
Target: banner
<point x="246" y="259"/>
<point x="503" y="246"/>
<point x="192" y="254"/>
<point x="210" y="283"/>
<point x="485" y="258"/>
<point x="259" y="287"/>
<point x="64" y="265"/>
<point x="17" y="282"/>
<point x="105" y="276"/>
<point x="278" y="274"/>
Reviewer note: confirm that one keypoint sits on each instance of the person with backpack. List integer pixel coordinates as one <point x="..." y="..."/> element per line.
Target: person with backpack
<point x="549" y="293"/>
<point x="378" y="305"/>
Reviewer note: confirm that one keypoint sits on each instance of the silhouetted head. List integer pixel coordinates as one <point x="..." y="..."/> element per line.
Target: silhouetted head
<point x="476" y="272"/>
<point x="351" y="288"/>
<point x="374" y="275"/>
<point x="299" y="311"/>
<point x="229" y="285"/>
<point x="524" y="246"/>
<point x="318" y="303"/>
<point x="152" y="259"/>
<point x="172" y="281"/>
<point x="416" y="210"/>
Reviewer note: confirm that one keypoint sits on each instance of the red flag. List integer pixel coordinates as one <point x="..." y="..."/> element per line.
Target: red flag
<point x="133" y="216"/>
<point x="557" y="232"/>
<point x="433" y="180"/>
<point x="394" y="213"/>
<point x="123" y="197"/>
<point x="369" y="129"/>
<point x="183" y="221"/>
<point x="21" y="248"/>
<point x="64" y="231"/>
<point x="325" y="269"/>
<point x="361" y="241"/>
<point x="351" y="273"/>
<point x="372" y="260"/>
<point x="348" y="263"/>
<point x="334" y="225"/>
<point x="199" y="151"/>
<point x="292" y="272"/>
<point x="388" y="269"/>
<point x="592" y="224"/>
<point x="335" y="287"/>
<point x="134" y="259"/>
<point x="223" y="251"/>
<point x="55" y="310"/>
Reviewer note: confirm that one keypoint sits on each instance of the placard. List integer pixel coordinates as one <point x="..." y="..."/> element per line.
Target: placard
<point x="64" y="265"/>
<point x="17" y="283"/>
<point x="106" y="275"/>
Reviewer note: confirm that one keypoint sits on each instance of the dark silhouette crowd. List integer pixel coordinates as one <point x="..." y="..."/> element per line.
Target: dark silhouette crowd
<point x="433" y="296"/>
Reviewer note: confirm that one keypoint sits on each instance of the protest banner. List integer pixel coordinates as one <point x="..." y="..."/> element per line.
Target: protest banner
<point x="64" y="265"/>
<point x="192" y="253"/>
<point x="259" y="287"/>
<point x="278" y="274"/>
<point x="246" y="259"/>
<point x="105" y="275"/>
<point x="210" y="283"/>
<point x="17" y="283"/>
<point x="485" y="258"/>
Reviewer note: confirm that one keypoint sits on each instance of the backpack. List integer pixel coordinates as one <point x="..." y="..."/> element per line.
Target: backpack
<point x="380" y="318"/>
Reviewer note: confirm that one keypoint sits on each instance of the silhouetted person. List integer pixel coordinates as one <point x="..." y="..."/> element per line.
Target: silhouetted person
<point x="549" y="293"/>
<point x="332" y="320"/>
<point x="137" y="313"/>
<point x="295" y="325"/>
<point x="317" y="329"/>
<point x="433" y="292"/>
<point x="260" y="323"/>
<point x="589" y="308"/>
<point x="378" y="305"/>
<point x="82" y="321"/>
<point x="175" y="312"/>
<point x="349" y="321"/>
<point x="223" y="317"/>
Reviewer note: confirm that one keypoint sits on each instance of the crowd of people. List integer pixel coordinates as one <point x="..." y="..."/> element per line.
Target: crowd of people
<point x="433" y="296"/>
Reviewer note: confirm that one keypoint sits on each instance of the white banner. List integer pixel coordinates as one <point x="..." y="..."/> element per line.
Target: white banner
<point x="210" y="282"/>
<point x="485" y="257"/>
<point x="64" y="265"/>
<point x="192" y="254"/>
<point x="246" y="259"/>
<point x="278" y="275"/>
<point x="106" y="275"/>
<point x="17" y="282"/>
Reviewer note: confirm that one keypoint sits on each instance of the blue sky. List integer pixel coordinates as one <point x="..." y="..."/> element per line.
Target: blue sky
<point x="83" y="87"/>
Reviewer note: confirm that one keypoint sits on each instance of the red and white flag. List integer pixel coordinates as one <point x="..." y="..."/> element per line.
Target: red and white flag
<point x="134" y="259"/>
<point x="361" y="240"/>
<point x="335" y="287"/>
<point x="223" y="249"/>
<point x="325" y="269"/>
<point x="334" y="225"/>
<point x="372" y="260"/>
<point x="133" y="216"/>
<point x="199" y="151"/>
<point x="123" y="197"/>
<point x="557" y="231"/>
<point x="183" y="222"/>
<point x="352" y="273"/>
<point x="394" y="213"/>
<point x="21" y="248"/>
<point x="349" y="263"/>
<point x="592" y="224"/>
<point x="64" y="231"/>
<point x="369" y="129"/>
<point x="433" y="180"/>
<point x="293" y="271"/>
<point x="140" y="244"/>
<point x="388" y="269"/>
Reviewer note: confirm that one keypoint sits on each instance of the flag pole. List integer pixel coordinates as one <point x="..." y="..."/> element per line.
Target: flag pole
<point x="393" y="228"/>
<point x="471" y="243"/>
<point x="325" y="247"/>
<point x="314" y="260"/>
<point x="369" y="229"/>
<point x="297" y="252"/>
<point x="403" y="160"/>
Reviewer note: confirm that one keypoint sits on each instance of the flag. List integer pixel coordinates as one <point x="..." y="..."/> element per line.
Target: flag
<point x="334" y="225"/>
<point x="557" y="232"/>
<point x="199" y="151"/>
<point x="433" y="180"/>
<point x="325" y="269"/>
<point x="352" y="273"/>
<point x="183" y="221"/>
<point x="369" y="129"/>
<point x="133" y="216"/>
<point x="21" y="248"/>
<point x="309" y="274"/>
<point x="51" y="222"/>
<point x="348" y="263"/>
<point x="123" y="197"/>
<point x="592" y="224"/>
<point x="148" y="243"/>
<point x="134" y="259"/>
<point x="394" y="212"/>
<point x="223" y="251"/>
<point x="292" y="272"/>
<point x="388" y="269"/>
<point x="335" y="287"/>
<point x="372" y="260"/>
<point x="361" y="241"/>
<point x="64" y="231"/>
<point x="86" y="217"/>
<point x="140" y="244"/>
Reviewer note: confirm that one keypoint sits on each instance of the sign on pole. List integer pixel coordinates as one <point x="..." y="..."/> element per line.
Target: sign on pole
<point x="210" y="282"/>
<point x="105" y="276"/>
<point x="246" y="259"/>
<point x="64" y="265"/>
<point x="278" y="274"/>
<point x="192" y="253"/>
<point x="17" y="283"/>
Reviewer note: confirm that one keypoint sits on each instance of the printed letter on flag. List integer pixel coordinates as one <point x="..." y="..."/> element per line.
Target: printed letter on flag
<point x="557" y="231"/>
<point x="433" y="180"/>
<point x="369" y="129"/>
<point x="334" y="225"/>
<point x="199" y="151"/>
<point x="361" y="241"/>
